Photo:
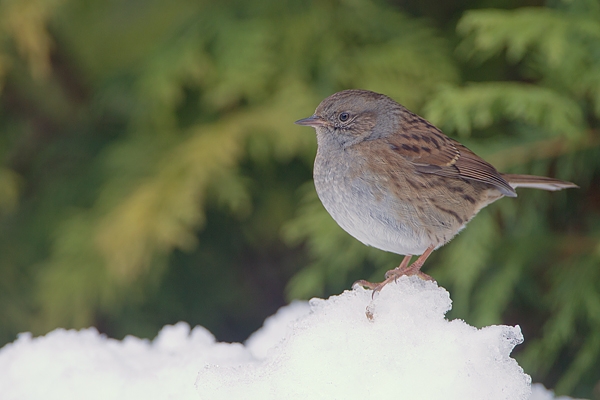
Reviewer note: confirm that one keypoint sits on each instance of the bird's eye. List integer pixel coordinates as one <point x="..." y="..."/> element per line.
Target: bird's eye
<point x="344" y="116"/>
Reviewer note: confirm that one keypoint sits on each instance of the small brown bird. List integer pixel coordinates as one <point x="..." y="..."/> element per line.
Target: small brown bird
<point x="396" y="182"/>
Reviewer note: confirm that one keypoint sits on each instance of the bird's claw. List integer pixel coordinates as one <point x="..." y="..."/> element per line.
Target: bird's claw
<point x="391" y="275"/>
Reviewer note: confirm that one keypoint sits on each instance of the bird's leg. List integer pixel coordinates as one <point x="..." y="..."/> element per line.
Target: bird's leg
<point x="400" y="270"/>
<point x="415" y="268"/>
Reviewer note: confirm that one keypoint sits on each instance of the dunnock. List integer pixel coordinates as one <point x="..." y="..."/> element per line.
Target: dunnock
<point x="396" y="182"/>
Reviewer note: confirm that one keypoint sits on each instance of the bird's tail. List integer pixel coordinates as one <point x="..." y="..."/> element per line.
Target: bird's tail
<point x="537" y="182"/>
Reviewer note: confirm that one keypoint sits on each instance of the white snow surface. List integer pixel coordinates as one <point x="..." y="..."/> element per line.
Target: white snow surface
<point x="323" y="349"/>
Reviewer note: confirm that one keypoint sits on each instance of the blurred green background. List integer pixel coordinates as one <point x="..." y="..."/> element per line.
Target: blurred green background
<point x="151" y="171"/>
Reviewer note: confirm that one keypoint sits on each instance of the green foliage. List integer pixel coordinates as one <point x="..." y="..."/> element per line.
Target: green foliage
<point x="151" y="171"/>
<point x="23" y="23"/>
<point x="9" y="190"/>
<point x="480" y="105"/>
<point x="558" y="46"/>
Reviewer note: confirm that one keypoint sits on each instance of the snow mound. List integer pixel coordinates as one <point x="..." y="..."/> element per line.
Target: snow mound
<point x="404" y="349"/>
<point x="398" y="345"/>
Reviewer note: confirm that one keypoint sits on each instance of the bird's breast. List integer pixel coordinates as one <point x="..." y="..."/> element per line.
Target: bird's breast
<point x="363" y="205"/>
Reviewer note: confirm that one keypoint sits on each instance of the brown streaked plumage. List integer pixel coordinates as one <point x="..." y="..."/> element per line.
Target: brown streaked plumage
<point x="396" y="182"/>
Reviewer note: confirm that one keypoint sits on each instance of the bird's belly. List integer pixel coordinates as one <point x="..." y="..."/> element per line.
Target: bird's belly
<point x="370" y="215"/>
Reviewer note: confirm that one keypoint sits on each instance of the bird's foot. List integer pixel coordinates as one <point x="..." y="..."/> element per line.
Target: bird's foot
<point x="403" y="269"/>
<point x="365" y="284"/>
<point x="392" y="275"/>
<point x="375" y="287"/>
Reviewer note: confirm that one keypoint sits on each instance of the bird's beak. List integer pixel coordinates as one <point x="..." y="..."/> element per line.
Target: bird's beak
<point x="313" y="121"/>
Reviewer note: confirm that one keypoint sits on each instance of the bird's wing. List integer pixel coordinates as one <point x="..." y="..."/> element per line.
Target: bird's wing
<point x="432" y="152"/>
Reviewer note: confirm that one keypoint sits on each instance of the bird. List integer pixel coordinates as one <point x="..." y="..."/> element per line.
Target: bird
<point x="395" y="182"/>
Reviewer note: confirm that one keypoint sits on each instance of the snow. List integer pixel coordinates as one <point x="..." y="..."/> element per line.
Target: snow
<point x="351" y="346"/>
<point x="539" y="392"/>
